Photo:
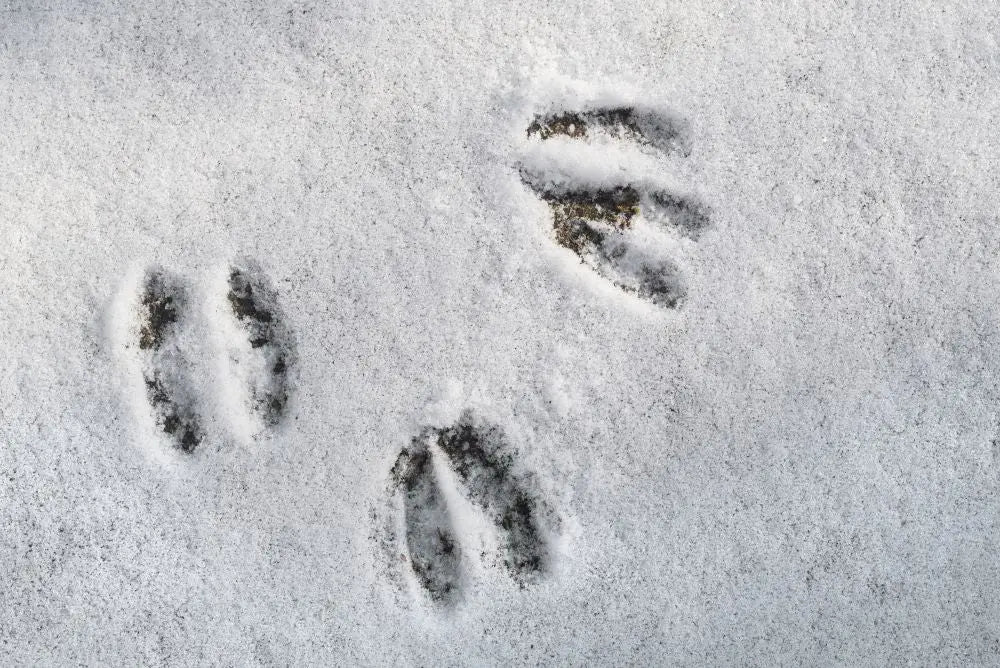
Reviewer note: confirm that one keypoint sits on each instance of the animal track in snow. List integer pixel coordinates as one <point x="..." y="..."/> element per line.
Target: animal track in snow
<point x="477" y="458"/>
<point x="254" y="302"/>
<point x="166" y="325"/>
<point x="163" y="303"/>
<point x="597" y="221"/>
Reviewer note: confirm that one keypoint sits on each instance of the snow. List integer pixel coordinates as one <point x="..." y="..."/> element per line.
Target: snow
<point x="799" y="464"/>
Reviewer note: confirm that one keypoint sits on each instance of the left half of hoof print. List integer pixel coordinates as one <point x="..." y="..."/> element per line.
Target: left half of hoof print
<point x="163" y="306"/>
<point x="431" y="545"/>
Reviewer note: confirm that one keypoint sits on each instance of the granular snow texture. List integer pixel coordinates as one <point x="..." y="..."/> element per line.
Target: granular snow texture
<point x="564" y="333"/>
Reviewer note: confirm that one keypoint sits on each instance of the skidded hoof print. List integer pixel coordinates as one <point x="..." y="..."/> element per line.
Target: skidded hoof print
<point x="596" y="222"/>
<point x="268" y="362"/>
<point x="162" y="305"/>
<point x="484" y="466"/>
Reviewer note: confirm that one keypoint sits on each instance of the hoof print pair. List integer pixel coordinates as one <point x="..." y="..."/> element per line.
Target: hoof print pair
<point x="170" y="326"/>
<point x="434" y="482"/>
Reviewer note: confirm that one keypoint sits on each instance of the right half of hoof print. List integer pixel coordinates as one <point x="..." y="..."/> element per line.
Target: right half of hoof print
<point x="267" y="358"/>
<point x="600" y="222"/>
<point x="163" y="306"/>
<point x="486" y="466"/>
<point x="477" y="458"/>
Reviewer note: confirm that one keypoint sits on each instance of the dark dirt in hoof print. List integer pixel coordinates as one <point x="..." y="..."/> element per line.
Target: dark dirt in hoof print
<point x="177" y="421"/>
<point x="485" y="468"/>
<point x="615" y="207"/>
<point x="435" y="555"/>
<point x="162" y="305"/>
<point x="254" y="302"/>
<point x="664" y="132"/>
<point x="160" y="302"/>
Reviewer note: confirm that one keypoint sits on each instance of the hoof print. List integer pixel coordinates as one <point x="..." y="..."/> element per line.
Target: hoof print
<point x="485" y="469"/>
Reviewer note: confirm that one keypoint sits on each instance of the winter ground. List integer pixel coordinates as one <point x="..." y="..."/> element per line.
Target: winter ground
<point x="799" y="463"/>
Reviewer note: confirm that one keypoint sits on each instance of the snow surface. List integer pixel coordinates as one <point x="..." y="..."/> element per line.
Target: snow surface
<point x="798" y="465"/>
